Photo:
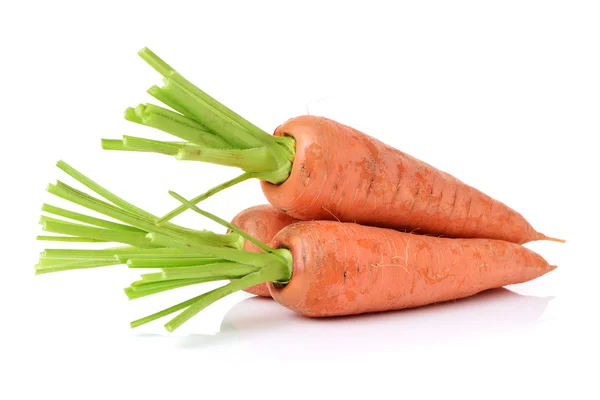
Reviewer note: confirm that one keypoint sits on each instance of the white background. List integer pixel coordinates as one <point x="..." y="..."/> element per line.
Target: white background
<point x="503" y="95"/>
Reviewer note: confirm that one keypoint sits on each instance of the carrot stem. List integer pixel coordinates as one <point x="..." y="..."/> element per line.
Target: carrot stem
<point x="109" y="235"/>
<point x="136" y="232"/>
<point x="171" y="253"/>
<point x="115" y="145"/>
<point x="168" y="262"/>
<point x="111" y="252"/>
<point x="153" y="146"/>
<point x="222" y="222"/>
<point x="208" y="298"/>
<point x="84" y="180"/>
<point x="178" y="125"/>
<point x="183" y="256"/>
<point x="73" y="239"/>
<point x="87" y="219"/>
<point x="137" y="144"/>
<point x="172" y="214"/>
<point x="228" y="129"/>
<point x="164" y="98"/>
<point x="257" y="159"/>
<point x="40" y="268"/>
<point x="136" y="292"/>
<point x="168" y="72"/>
<point x="130" y="214"/>
<point x="165" y="312"/>
<point x="220" y="135"/>
<point x="229" y="269"/>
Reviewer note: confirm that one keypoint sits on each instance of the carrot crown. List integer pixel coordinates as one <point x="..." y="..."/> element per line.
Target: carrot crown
<point x="183" y="256"/>
<point x="210" y="132"/>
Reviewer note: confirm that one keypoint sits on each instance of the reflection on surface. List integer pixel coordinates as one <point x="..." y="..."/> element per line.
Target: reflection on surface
<point x="263" y="324"/>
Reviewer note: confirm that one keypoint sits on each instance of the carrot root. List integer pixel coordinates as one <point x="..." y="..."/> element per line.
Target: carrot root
<point x="541" y="236"/>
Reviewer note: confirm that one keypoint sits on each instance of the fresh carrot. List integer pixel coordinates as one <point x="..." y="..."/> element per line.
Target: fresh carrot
<point x="328" y="268"/>
<point x="345" y="268"/>
<point x="316" y="168"/>
<point x="262" y="222"/>
<point x="316" y="268"/>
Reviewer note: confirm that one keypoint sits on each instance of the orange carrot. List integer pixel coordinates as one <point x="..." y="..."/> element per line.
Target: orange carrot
<point x="340" y="173"/>
<point x="262" y="222"/>
<point x="328" y="268"/>
<point x="345" y="268"/>
<point x="314" y="168"/>
<point x="317" y="268"/>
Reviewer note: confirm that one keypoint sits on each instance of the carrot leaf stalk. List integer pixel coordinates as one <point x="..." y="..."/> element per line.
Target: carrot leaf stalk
<point x="244" y="269"/>
<point x="133" y="229"/>
<point x="180" y="256"/>
<point x="210" y="131"/>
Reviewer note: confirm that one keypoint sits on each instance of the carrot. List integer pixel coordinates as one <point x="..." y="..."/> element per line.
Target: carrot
<point x="261" y="222"/>
<point x="316" y="168"/>
<point x="328" y="268"/>
<point x="345" y="268"/>
<point x="341" y="173"/>
<point x="316" y="268"/>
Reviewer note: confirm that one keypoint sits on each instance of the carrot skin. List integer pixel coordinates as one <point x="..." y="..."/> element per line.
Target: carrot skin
<point x="262" y="222"/>
<point x="344" y="268"/>
<point x="342" y="174"/>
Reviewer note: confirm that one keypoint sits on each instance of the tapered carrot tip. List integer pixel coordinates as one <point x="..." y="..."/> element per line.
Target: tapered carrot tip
<point x="541" y="236"/>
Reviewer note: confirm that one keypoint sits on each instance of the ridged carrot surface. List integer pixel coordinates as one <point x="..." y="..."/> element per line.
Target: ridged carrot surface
<point x="262" y="222"/>
<point x="345" y="268"/>
<point x="314" y="168"/>
<point x="342" y="174"/>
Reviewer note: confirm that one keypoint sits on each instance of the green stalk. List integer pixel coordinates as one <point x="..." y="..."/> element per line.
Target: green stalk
<point x="164" y="98"/>
<point x="87" y="219"/>
<point x="229" y="269"/>
<point x="245" y="270"/>
<point x="133" y="232"/>
<point x="47" y="262"/>
<point x="130" y="214"/>
<point x="200" y="120"/>
<point x="153" y="146"/>
<point x="169" y="262"/>
<point x="111" y="252"/>
<point x="108" y="235"/>
<point x="170" y="253"/>
<point x="172" y="214"/>
<point x="168" y="72"/>
<point x="116" y="200"/>
<point x="40" y="268"/>
<point x="257" y="159"/>
<point x="222" y="222"/>
<point x="208" y="298"/>
<point x="175" y="124"/>
<point x="228" y="129"/>
<point x="150" y="278"/>
<point x="183" y="256"/>
<point x="116" y="145"/>
<point x="68" y="239"/>
<point x="165" y="312"/>
<point x="136" y="292"/>
<point x="229" y="254"/>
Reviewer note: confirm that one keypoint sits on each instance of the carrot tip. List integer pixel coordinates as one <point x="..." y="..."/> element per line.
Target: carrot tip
<point x="541" y="236"/>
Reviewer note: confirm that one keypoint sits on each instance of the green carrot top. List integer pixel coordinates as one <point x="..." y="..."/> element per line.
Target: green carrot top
<point x="183" y="256"/>
<point x="209" y="132"/>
